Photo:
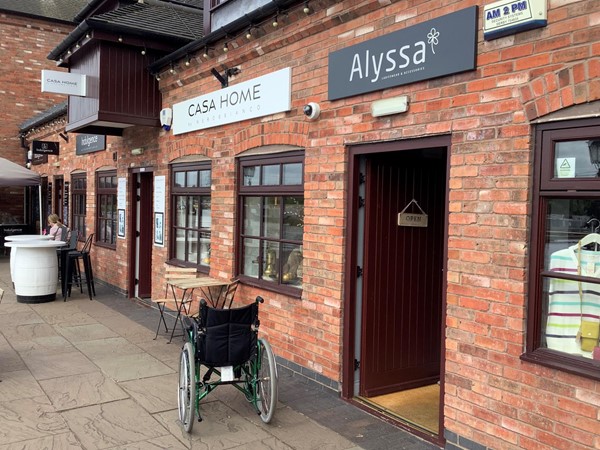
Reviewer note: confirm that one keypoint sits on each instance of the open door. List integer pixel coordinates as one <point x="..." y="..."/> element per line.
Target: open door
<point x="397" y="253"/>
<point x="403" y="271"/>
<point x="141" y="183"/>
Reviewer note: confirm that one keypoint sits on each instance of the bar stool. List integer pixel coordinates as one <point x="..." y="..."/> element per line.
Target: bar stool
<point x="72" y="263"/>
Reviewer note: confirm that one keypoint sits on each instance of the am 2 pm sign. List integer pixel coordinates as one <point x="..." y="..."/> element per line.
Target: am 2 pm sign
<point x="431" y="49"/>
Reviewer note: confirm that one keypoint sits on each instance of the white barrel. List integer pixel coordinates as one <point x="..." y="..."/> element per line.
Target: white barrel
<point x="35" y="267"/>
<point x="20" y="238"/>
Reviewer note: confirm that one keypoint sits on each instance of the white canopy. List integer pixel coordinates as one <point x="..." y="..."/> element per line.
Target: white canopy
<point x="12" y="174"/>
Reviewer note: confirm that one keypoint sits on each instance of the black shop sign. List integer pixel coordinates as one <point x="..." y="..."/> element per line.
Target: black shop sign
<point x="44" y="148"/>
<point x="438" y="47"/>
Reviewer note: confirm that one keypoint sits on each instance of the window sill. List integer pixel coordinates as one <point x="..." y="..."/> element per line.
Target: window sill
<point x="107" y="246"/>
<point x="577" y="365"/>
<point x="179" y="263"/>
<point x="277" y="288"/>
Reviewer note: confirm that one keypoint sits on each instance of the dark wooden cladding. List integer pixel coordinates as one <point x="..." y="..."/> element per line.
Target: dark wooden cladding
<point x="120" y="90"/>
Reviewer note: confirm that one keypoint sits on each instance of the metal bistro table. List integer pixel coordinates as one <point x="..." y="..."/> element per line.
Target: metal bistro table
<point x="34" y="269"/>
<point x="187" y="287"/>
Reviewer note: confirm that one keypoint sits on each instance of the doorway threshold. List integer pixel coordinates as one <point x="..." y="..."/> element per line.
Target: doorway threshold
<point x="426" y="423"/>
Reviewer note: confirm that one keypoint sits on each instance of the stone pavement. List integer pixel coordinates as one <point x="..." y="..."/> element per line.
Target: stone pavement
<point x="88" y="374"/>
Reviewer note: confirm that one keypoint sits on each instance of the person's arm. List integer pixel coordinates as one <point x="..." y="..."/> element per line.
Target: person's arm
<point x="53" y="231"/>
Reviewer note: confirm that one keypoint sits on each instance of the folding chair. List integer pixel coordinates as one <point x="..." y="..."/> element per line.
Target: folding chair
<point x="230" y="293"/>
<point x="171" y="300"/>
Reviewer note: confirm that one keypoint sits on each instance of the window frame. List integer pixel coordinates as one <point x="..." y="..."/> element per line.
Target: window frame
<point x="75" y="194"/>
<point x="112" y="191"/>
<point x="545" y="188"/>
<point x="177" y="191"/>
<point x="262" y="191"/>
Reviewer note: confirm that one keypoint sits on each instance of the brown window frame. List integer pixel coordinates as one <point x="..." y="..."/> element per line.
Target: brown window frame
<point x="545" y="189"/>
<point x="202" y="265"/>
<point x="101" y="221"/>
<point x="267" y="191"/>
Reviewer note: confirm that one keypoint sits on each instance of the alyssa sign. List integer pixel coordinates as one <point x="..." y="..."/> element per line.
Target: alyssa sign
<point x="64" y="83"/>
<point x="432" y="49"/>
<point x="259" y="97"/>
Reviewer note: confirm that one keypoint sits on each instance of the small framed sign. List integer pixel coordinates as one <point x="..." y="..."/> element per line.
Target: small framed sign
<point x="121" y="224"/>
<point x="158" y="228"/>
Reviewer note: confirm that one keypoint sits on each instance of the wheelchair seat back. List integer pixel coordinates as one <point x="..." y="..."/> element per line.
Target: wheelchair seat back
<point x="226" y="337"/>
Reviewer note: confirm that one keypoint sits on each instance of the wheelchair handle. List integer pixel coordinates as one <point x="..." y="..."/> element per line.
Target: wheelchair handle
<point x="259" y="299"/>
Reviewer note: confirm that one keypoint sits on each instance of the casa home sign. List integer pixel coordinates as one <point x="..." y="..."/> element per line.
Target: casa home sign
<point x="258" y="97"/>
<point x="64" y="83"/>
<point x="431" y="49"/>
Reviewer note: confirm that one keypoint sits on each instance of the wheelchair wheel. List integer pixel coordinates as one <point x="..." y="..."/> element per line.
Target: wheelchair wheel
<point x="187" y="387"/>
<point x="267" y="382"/>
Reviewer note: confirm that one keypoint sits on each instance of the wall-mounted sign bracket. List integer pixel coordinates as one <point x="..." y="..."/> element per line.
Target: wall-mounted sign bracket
<point x="227" y="73"/>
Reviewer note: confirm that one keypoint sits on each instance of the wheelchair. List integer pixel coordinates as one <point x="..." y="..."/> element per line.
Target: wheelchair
<point x="225" y="343"/>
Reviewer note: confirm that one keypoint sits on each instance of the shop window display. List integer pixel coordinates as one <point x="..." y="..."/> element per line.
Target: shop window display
<point x="272" y="220"/>
<point x="564" y="307"/>
<point x="191" y="221"/>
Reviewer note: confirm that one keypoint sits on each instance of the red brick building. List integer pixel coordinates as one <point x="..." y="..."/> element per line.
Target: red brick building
<point x="28" y="33"/>
<point x="426" y="226"/>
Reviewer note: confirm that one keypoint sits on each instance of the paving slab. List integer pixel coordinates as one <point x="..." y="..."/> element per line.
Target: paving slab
<point x="90" y="375"/>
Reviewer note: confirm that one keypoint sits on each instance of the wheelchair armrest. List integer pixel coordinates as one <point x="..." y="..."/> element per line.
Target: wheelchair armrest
<point x="190" y="324"/>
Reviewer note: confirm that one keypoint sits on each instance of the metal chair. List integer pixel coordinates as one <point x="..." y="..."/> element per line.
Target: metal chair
<point x="170" y="299"/>
<point x="63" y="251"/>
<point x="72" y="263"/>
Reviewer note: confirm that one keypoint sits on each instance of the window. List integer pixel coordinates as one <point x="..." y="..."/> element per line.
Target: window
<point x="106" y="207"/>
<point x="564" y="300"/>
<point x="271" y="198"/>
<point x="78" y="202"/>
<point x="191" y="214"/>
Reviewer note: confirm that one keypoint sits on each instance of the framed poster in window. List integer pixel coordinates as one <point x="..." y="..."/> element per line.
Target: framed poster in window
<point x="121" y="224"/>
<point x="158" y="228"/>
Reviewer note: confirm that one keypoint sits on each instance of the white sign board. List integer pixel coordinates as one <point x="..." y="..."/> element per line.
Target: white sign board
<point x="513" y="16"/>
<point x="160" y="183"/>
<point x="64" y="83"/>
<point x="262" y="96"/>
<point x="121" y="202"/>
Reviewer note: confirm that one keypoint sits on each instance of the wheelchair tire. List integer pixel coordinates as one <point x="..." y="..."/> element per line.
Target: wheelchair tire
<point x="267" y="381"/>
<point x="186" y="398"/>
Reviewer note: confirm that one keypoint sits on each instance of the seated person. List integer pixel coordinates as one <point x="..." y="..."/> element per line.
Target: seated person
<point x="57" y="228"/>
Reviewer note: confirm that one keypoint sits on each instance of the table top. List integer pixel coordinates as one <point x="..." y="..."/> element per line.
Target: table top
<point x="28" y="237"/>
<point x="191" y="283"/>
<point x="35" y="244"/>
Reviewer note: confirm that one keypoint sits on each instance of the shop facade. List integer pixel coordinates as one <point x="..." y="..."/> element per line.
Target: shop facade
<point x="409" y="186"/>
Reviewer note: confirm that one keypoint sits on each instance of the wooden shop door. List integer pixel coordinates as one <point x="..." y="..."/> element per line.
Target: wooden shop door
<point x="403" y="270"/>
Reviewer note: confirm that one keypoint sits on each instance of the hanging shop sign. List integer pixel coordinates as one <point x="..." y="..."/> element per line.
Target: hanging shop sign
<point x="432" y="49"/>
<point x="89" y="143"/>
<point x="64" y="83"/>
<point x="509" y="17"/>
<point x="37" y="159"/>
<point x="406" y="219"/>
<point x="259" y="97"/>
<point x="44" y="148"/>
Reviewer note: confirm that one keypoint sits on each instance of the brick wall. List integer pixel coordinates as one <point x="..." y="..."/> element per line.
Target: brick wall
<point x="492" y="398"/>
<point x="24" y="45"/>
